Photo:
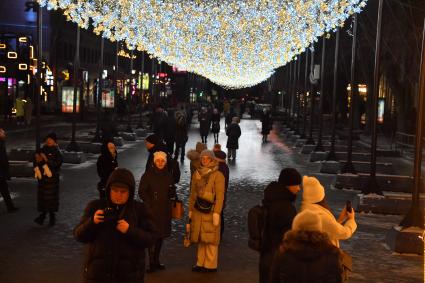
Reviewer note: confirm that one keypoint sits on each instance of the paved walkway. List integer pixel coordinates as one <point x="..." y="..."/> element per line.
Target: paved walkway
<point x="29" y="253"/>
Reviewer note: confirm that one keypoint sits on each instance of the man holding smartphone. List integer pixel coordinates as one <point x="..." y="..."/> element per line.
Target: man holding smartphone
<point x="117" y="230"/>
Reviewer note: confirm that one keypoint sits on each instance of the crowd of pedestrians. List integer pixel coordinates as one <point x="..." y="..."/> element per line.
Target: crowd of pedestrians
<point x="297" y="246"/>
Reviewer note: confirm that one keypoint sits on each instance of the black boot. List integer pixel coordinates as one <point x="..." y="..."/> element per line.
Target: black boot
<point x="52" y="218"/>
<point x="152" y="265"/>
<point x="40" y="219"/>
<point x="158" y="246"/>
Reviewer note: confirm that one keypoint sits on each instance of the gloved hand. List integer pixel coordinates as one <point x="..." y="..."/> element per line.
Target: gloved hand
<point x="47" y="171"/>
<point x="216" y="219"/>
<point x="37" y="173"/>
<point x="190" y="214"/>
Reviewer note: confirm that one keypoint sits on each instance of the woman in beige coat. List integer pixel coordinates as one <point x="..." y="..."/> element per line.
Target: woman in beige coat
<point x="205" y="205"/>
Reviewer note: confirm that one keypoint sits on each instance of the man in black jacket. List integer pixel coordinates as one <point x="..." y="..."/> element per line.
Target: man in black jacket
<point x="4" y="174"/>
<point x="117" y="231"/>
<point x="278" y="200"/>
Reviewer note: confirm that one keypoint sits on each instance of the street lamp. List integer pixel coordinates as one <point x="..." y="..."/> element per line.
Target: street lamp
<point x="310" y="139"/>
<point x="39" y="75"/>
<point x="319" y="146"/>
<point x="99" y="93"/>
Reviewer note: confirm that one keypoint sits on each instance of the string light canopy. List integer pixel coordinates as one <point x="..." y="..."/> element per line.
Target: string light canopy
<point x="234" y="43"/>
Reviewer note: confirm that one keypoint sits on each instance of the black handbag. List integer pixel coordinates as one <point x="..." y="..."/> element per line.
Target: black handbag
<point x="203" y="205"/>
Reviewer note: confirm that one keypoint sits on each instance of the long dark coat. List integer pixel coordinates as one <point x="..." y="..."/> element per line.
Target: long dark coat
<point x="4" y="162"/>
<point x="48" y="188"/>
<point x="204" y="123"/>
<point x="156" y="188"/>
<point x="233" y="133"/>
<point x="280" y="213"/>
<point x="215" y="120"/>
<point x="307" y="257"/>
<point x="111" y="256"/>
<point x="105" y="165"/>
<point x="266" y="124"/>
<point x="181" y="131"/>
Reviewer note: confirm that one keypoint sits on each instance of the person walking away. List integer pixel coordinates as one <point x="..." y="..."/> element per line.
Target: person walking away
<point x="116" y="230"/>
<point x="266" y="124"/>
<point x="170" y="131"/>
<point x="279" y="198"/>
<point x="204" y="124"/>
<point x="20" y="111"/>
<point x="228" y="117"/>
<point x="157" y="189"/>
<point x="153" y="144"/>
<point x="205" y="206"/>
<point x="28" y="111"/>
<point x="47" y="166"/>
<point x="220" y="156"/>
<point x="343" y="228"/>
<point x="181" y="136"/>
<point x="159" y="123"/>
<point x="233" y="133"/>
<point x="106" y="164"/>
<point x="5" y="174"/>
<point x="215" y="127"/>
<point x="306" y="254"/>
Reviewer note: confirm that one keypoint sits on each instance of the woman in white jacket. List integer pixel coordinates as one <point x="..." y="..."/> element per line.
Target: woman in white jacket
<point x="314" y="200"/>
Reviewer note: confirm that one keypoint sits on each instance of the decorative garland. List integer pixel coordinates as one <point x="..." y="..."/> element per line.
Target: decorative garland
<point x="234" y="43"/>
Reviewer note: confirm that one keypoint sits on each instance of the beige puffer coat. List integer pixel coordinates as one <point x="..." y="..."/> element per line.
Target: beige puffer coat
<point x="207" y="183"/>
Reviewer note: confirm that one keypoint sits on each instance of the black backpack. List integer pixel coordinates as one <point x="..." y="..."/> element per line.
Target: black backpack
<point x="256" y="224"/>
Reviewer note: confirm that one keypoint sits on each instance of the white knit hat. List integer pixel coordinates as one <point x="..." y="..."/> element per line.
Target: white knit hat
<point x="307" y="220"/>
<point x="313" y="191"/>
<point x="159" y="155"/>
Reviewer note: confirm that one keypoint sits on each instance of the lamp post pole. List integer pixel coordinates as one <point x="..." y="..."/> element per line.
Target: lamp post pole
<point x="310" y="139"/>
<point x="73" y="146"/>
<point x="129" y="94"/>
<point x="38" y="75"/>
<point x="303" y="135"/>
<point x="288" y="97"/>
<point x="319" y="146"/>
<point x="331" y="155"/>
<point x="99" y="92"/>
<point x="142" y="70"/>
<point x="349" y="167"/>
<point x="415" y="216"/>
<point x="298" y="95"/>
<point x="294" y="93"/>
<point x="372" y="186"/>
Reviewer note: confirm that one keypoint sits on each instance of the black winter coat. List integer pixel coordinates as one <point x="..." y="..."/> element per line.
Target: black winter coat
<point x="105" y="165"/>
<point x="307" y="257"/>
<point x="215" y="119"/>
<point x="48" y="187"/>
<point x="266" y="124"/>
<point x="233" y="133"/>
<point x="181" y="132"/>
<point x="111" y="256"/>
<point x="156" y="188"/>
<point x="204" y="123"/>
<point x="279" y="203"/>
<point x="4" y="162"/>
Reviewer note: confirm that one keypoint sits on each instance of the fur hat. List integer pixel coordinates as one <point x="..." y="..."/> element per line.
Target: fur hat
<point x="160" y="155"/>
<point x="208" y="153"/>
<point x="220" y="155"/>
<point x="153" y="139"/>
<point x="289" y="177"/>
<point x="307" y="220"/>
<point x="52" y="136"/>
<point x="313" y="191"/>
<point x="200" y="147"/>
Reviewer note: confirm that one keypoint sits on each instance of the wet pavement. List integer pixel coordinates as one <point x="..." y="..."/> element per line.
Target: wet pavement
<point x="29" y="253"/>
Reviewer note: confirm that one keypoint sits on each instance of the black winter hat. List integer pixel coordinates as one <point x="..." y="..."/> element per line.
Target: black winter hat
<point x="220" y="154"/>
<point x="52" y="136"/>
<point x="153" y="139"/>
<point x="289" y="177"/>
